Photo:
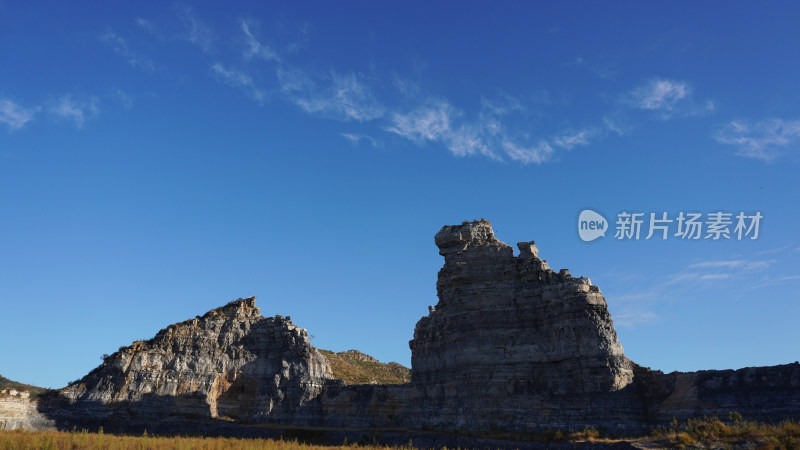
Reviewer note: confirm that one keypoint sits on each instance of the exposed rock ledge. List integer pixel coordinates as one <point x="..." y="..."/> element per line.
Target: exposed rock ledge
<point x="511" y="345"/>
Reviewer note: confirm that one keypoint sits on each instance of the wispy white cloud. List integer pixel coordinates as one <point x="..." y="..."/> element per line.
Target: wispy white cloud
<point x="501" y="104"/>
<point x="776" y="250"/>
<point x="466" y="141"/>
<point x="355" y="139"/>
<point x="760" y="140"/>
<point x="486" y="134"/>
<point x="339" y="96"/>
<point x="636" y="307"/>
<point x="147" y="26"/>
<point x="77" y="111"/>
<point x="238" y="79"/>
<point x="715" y="276"/>
<point x="123" y="97"/>
<point x="302" y="41"/>
<point x="426" y="123"/>
<point x="666" y="98"/>
<point x="632" y="318"/>
<point x="495" y="130"/>
<point x="603" y="71"/>
<point x="120" y="46"/>
<point x="771" y="281"/>
<point x="575" y="138"/>
<point x="734" y="264"/>
<point x="617" y="124"/>
<point x="659" y="95"/>
<point x="435" y="121"/>
<point x="535" y="153"/>
<point x="699" y="273"/>
<point x="256" y="49"/>
<point x="15" y="116"/>
<point x="194" y="30"/>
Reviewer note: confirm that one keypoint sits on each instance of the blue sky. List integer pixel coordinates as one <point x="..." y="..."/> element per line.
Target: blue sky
<point x="160" y="159"/>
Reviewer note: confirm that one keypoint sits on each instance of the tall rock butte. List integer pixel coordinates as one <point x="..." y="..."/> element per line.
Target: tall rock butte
<point x="511" y="345"/>
<point x="508" y="333"/>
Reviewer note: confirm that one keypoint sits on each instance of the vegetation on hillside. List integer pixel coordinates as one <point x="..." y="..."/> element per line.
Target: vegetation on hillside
<point x="712" y="432"/>
<point x="355" y="367"/>
<point x="35" y="391"/>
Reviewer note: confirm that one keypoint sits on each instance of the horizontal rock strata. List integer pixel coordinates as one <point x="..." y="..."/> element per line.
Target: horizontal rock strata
<point x="511" y="345"/>
<point x="19" y="411"/>
<point x="231" y="364"/>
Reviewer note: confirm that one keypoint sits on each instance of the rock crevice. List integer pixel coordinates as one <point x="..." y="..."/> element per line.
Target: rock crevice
<point x="511" y="345"/>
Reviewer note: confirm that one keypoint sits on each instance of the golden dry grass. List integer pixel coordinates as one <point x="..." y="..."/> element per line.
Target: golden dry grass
<point x="46" y="440"/>
<point x="714" y="432"/>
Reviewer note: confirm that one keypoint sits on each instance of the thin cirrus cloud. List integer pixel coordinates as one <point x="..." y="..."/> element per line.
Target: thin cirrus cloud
<point x="633" y="317"/>
<point x="666" y="99"/>
<point x="76" y="111"/>
<point x="254" y="48"/>
<point x="340" y="96"/>
<point x="195" y="31"/>
<point x="736" y="273"/>
<point x="659" y="95"/>
<point x="495" y="130"/>
<point x="435" y="122"/>
<point x="15" y="116"/>
<point x="352" y="96"/>
<point x="438" y="121"/>
<point x="764" y="140"/>
<point x="121" y="47"/>
<point x="235" y="78"/>
<point x="733" y="264"/>
<point x="356" y="139"/>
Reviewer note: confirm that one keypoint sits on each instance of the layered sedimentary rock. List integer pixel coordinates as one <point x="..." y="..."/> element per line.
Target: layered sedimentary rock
<point x="511" y="345"/>
<point x="18" y="411"/>
<point x="231" y="363"/>
<point x="511" y="338"/>
<point x="767" y="394"/>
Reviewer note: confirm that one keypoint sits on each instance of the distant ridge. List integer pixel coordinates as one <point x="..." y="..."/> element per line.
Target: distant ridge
<point x="355" y="367"/>
<point x="35" y="391"/>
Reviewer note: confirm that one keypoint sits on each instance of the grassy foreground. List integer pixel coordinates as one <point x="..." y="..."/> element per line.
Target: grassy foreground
<point x="47" y="440"/>
<point x="706" y="432"/>
<point x="712" y="432"/>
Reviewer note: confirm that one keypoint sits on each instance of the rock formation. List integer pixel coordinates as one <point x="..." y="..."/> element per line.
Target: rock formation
<point x="18" y="411"/>
<point x="231" y="363"/>
<point x="511" y="345"/>
<point x="509" y="336"/>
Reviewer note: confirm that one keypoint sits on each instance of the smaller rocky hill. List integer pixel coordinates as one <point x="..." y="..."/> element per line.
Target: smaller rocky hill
<point x="354" y="367"/>
<point x="34" y="391"/>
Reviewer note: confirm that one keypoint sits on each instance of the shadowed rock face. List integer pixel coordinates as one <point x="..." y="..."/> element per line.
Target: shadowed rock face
<point x="509" y="333"/>
<point x="512" y="325"/>
<point x="511" y="345"/>
<point x="230" y="363"/>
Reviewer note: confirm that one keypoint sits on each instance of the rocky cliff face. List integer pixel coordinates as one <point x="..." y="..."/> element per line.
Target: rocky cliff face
<point x="510" y="337"/>
<point x="231" y="363"/>
<point x="18" y="411"/>
<point x="511" y="345"/>
<point x="766" y="394"/>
